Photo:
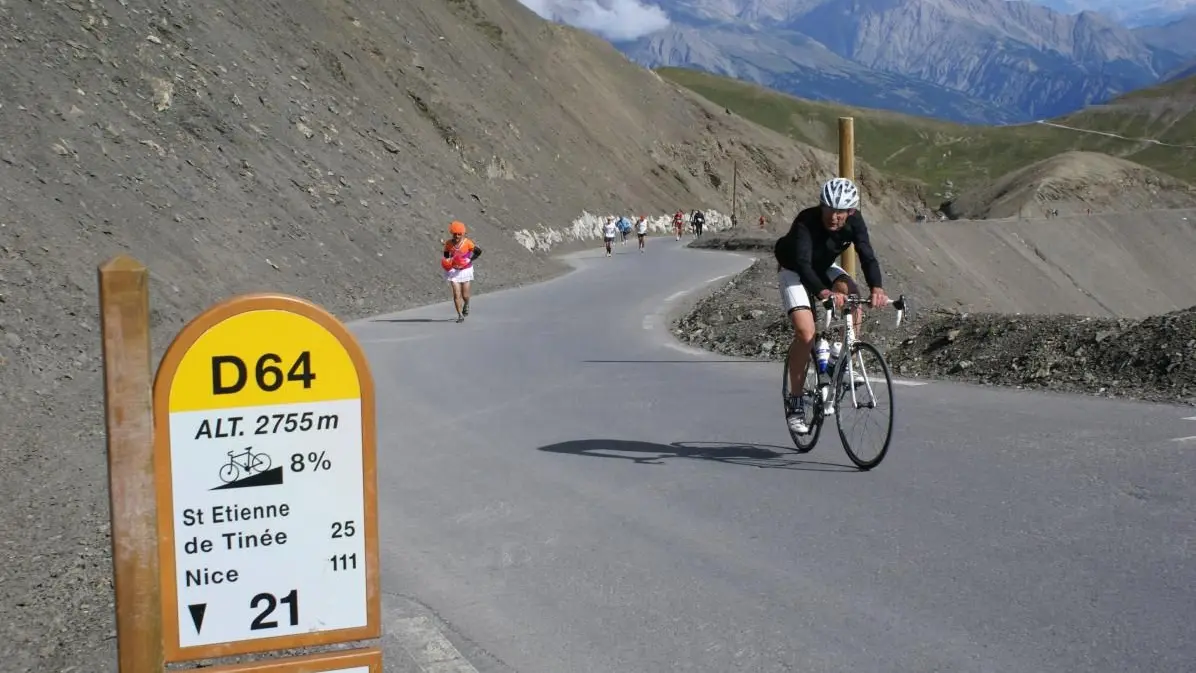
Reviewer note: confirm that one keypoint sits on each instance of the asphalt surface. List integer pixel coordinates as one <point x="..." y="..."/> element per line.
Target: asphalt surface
<point x="565" y="488"/>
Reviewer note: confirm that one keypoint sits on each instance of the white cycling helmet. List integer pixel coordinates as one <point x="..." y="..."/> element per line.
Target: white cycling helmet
<point x="840" y="194"/>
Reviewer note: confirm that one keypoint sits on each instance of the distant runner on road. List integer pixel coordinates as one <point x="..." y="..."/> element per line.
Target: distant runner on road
<point x="608" y="233"/>
<point x="459" y="254"/>
<point x="641" y="231"/>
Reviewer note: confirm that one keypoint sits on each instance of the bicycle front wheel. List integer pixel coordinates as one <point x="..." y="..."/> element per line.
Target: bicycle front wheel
<point x="863" y="403"/>
<point x="261" y="462"/>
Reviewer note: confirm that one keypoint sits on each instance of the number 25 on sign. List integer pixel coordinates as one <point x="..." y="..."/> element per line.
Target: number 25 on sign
<point x="266" y="482"/>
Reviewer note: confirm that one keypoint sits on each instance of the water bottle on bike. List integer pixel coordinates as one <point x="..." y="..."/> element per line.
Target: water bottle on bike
<point x="822" y="354"/>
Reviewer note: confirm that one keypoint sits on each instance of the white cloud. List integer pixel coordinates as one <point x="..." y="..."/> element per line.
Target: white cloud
<point x="615" y="20"/>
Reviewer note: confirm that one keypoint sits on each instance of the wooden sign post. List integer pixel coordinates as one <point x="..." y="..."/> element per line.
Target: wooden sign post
<point x="847" y="170"/>
<point x="128" y="408"/>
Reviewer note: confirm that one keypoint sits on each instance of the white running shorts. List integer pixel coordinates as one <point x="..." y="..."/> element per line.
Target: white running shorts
<point x="793" y="293"/>
<point x="459" y="275"/>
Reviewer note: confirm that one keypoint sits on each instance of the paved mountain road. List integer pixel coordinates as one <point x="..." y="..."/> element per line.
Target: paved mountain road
<point x="568" y="489"/>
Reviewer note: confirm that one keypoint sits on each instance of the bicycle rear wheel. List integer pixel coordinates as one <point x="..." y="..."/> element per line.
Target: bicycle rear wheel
<point x="870" y="395"/>
<point x="804" y="443"/>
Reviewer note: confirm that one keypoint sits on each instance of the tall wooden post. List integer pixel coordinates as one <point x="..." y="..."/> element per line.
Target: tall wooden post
<point x="128" y="403"/>
<point x="847" y="170"/>
<point x="734" y="190"/>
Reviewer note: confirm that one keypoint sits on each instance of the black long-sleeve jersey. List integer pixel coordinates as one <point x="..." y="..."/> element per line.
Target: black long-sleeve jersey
<point x="809" y="249"/>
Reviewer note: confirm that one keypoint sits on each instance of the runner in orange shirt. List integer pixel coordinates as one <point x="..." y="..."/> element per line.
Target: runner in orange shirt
<point x="459" y="253"/>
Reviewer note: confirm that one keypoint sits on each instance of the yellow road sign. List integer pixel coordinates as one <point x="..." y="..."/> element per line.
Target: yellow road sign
<point x="266" y="482"/>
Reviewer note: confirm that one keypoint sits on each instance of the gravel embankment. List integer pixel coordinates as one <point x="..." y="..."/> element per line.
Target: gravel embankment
<point x="1151" y="359"/>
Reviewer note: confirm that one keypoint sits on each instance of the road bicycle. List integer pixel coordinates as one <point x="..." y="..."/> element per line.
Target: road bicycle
<point x="253" y="462"/>
<point x="848" y="383"/>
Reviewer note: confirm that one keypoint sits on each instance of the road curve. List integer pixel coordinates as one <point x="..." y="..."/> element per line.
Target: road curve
<point x="569" y="489"/>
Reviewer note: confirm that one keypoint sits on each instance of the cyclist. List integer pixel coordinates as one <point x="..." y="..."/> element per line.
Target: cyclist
<point x="459" y="254"/>
<point x="806" y="269"/>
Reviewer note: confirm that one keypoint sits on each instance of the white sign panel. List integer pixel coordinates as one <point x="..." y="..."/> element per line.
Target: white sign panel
<point x="268" y="521"/>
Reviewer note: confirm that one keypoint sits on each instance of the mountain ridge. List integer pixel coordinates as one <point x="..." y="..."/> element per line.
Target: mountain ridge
<point x="1005" y="61"/>
<point x="1154" y="127"/>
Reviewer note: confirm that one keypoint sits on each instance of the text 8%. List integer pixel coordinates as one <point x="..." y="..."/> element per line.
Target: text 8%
<point x="317" y="461"/>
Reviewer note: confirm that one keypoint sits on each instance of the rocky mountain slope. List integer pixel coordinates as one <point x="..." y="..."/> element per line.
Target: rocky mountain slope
<point x="1137" y="14"/>
<point x="306" y="147"/>
<point x="1073" y="183"/>
<point x="1005" y="61"/>
<point x="1175" y="36"/>
<point x="1182" y="72"/>
<point x="787" y="60"/>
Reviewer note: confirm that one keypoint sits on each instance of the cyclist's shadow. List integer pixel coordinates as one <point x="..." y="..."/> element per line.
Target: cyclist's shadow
<point x="650" y="453"/>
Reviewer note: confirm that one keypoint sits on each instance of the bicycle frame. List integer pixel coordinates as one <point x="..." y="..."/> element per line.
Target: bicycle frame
<point x="846" y="356"/>
<point x="246" y="454"/>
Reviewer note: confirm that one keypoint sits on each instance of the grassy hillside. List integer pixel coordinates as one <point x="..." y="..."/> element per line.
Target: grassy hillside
<point x="935" y="151"/>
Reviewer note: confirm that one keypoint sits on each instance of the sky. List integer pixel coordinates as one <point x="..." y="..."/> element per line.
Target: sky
<point x="615" y="20"/>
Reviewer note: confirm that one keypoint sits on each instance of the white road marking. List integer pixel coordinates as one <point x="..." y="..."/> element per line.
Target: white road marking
<point x="907" y="382"/>
<point x="689" y="350"/>
<point x="429" y="648"/>
<point x="1184" y="439"/>
<point x="649" y="322"/>
<point x="1190" y="418"/>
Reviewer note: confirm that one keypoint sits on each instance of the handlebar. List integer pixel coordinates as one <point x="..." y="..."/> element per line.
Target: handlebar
<point x="853" y="300"/>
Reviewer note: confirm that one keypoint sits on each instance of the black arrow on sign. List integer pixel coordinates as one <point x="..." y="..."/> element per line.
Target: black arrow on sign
<point x="197" y="611"/>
